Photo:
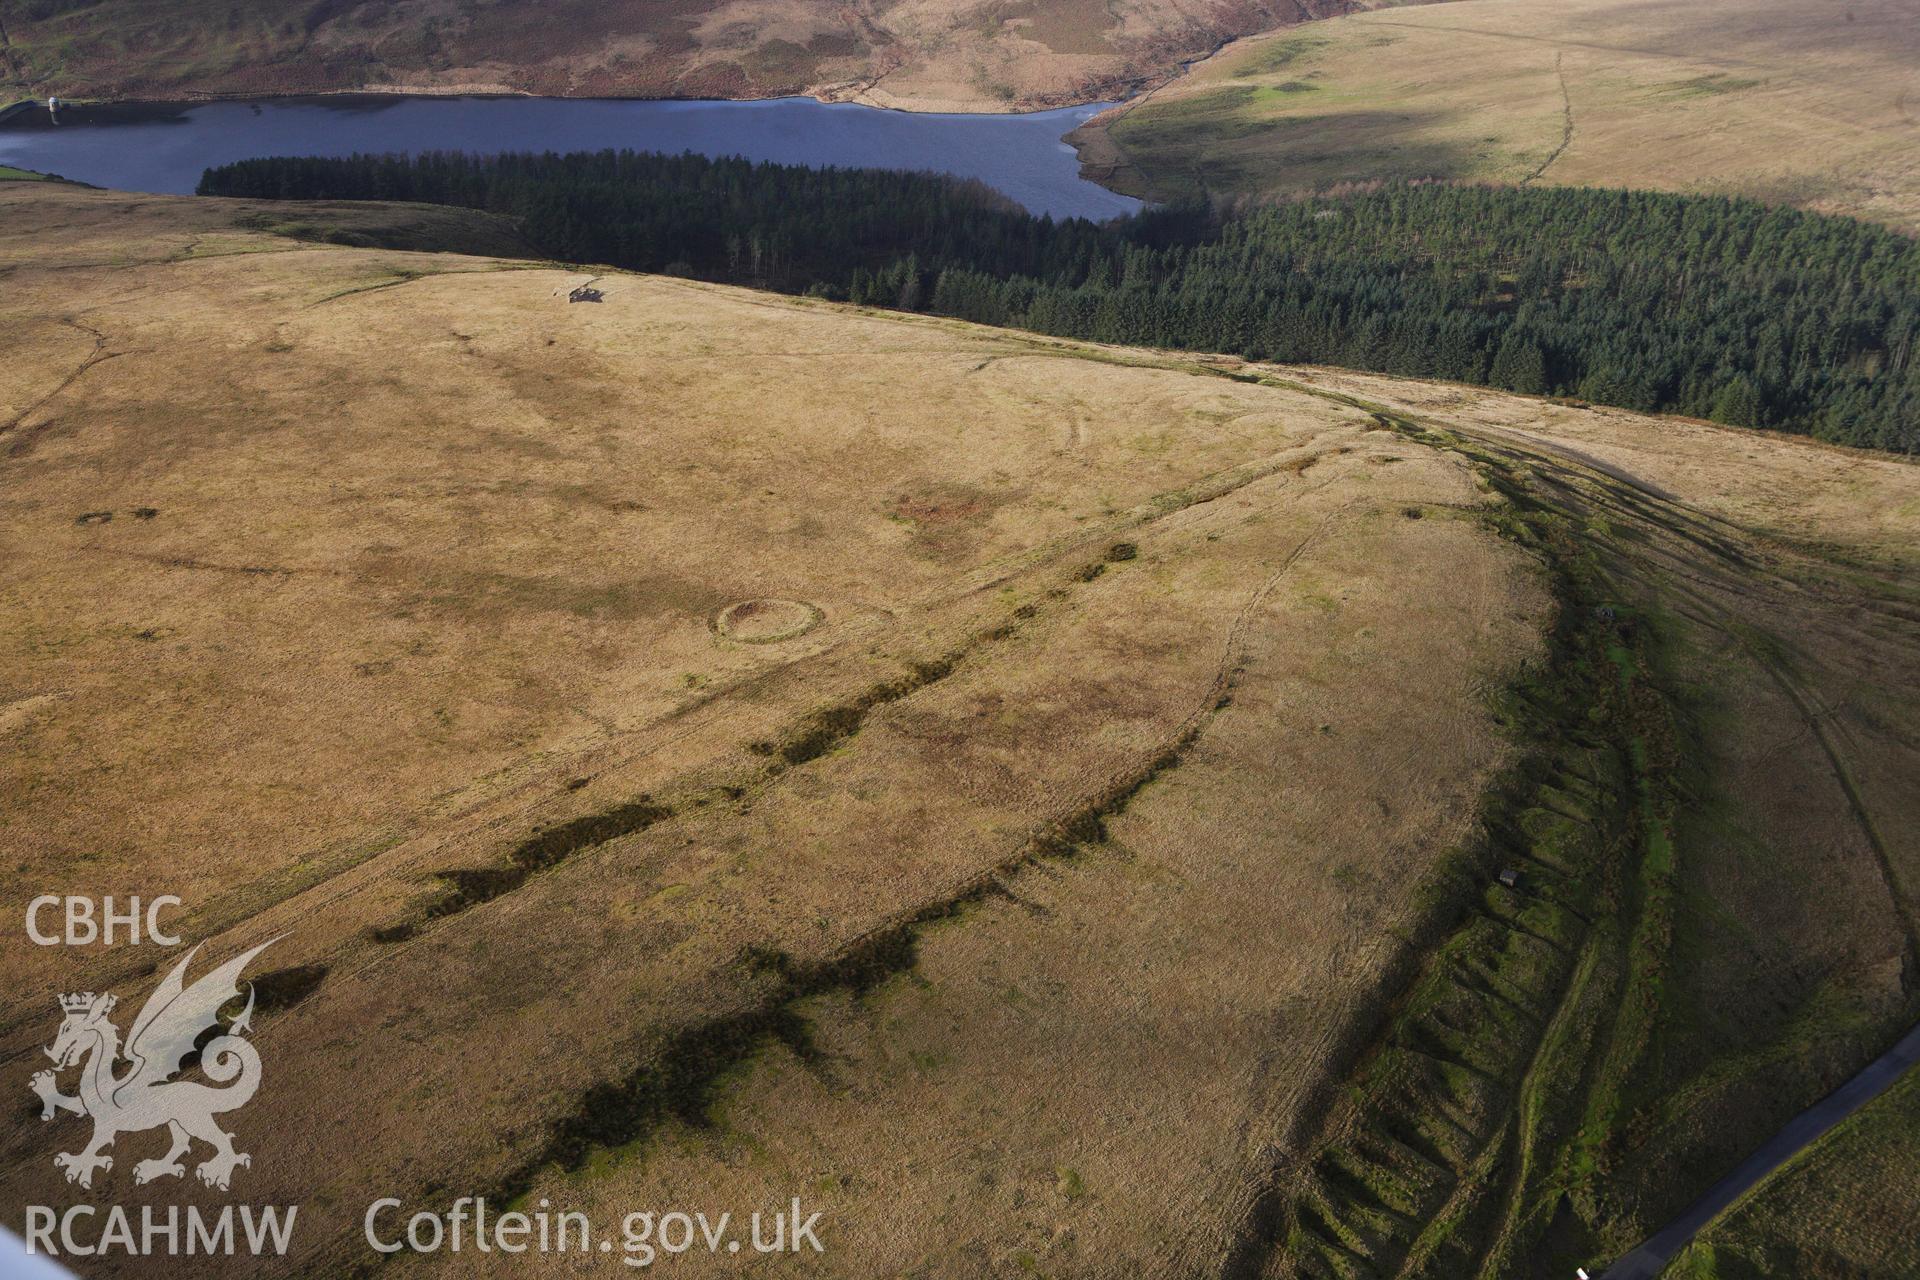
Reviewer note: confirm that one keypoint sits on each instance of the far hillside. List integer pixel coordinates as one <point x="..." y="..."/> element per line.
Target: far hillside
<point x="1813" y="103"/>
<point x="941" y="55"/>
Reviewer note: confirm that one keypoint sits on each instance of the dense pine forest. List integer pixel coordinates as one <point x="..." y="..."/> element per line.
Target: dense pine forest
<point x="1710" y="307"/>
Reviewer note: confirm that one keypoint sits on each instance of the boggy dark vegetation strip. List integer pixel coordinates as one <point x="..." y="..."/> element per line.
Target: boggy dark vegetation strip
<point x="471" y="886"/>
<point x="819" y="733"/>
<point x="273" y="992"/>
<point x="1505" y="1050"/>
<point x="284" y="988"/>
<point x="826" y="729"/>
<point x="680" y="1081"/>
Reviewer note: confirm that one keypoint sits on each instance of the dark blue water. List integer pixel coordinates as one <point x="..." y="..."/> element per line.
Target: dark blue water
<point x="164" y="148"/>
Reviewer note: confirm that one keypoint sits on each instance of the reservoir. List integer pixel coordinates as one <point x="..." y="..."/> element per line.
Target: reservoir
<point x="164" y="147"/>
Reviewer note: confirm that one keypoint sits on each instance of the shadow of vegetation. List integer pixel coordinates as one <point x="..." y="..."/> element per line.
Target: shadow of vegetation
<point x="1223" y="141"/>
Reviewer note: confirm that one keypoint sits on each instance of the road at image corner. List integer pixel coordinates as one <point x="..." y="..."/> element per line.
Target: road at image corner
<point x="1651" y="1258"/>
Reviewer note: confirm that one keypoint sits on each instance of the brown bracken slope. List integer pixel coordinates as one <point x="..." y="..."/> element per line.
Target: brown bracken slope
<point x="974" y="55"/>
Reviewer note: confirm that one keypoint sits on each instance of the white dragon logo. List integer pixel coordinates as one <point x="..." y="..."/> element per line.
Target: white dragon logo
<point x="145" y="1097"/>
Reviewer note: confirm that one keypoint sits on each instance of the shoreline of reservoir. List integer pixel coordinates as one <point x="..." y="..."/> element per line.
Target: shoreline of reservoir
<point x="161" y="147"/>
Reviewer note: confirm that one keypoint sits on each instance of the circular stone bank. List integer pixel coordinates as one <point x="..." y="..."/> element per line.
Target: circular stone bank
<point x="766" y="621"/>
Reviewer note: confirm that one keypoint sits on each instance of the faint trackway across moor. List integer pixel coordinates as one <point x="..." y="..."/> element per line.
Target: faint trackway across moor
<point x="1566" y="130"/>
<point x="99" y="355"/>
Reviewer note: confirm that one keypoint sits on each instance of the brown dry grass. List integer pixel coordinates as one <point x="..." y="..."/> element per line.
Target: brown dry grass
<point x="432" y="547"/>
<point x="1808" y="102"/>
<point x="432" y="578"/>
<point x="1088" y="1072"/>
<point x="1084" y="1076"/>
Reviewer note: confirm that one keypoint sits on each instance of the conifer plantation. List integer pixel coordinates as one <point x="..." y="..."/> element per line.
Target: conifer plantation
<point x="1703" y="306"/>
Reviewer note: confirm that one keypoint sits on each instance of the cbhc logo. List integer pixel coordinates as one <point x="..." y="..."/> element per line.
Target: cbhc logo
<point x="87" y="922"/>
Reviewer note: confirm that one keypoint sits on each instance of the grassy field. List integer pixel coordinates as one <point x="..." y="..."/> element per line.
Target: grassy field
<point x="1699" y="982"/>
<point x="380" y="592"/>
<point x="1842" y="1212"/>
<point x="967" y="55"/>
<point x="1807" y="102"/>
<point x="1035" y="801"/>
